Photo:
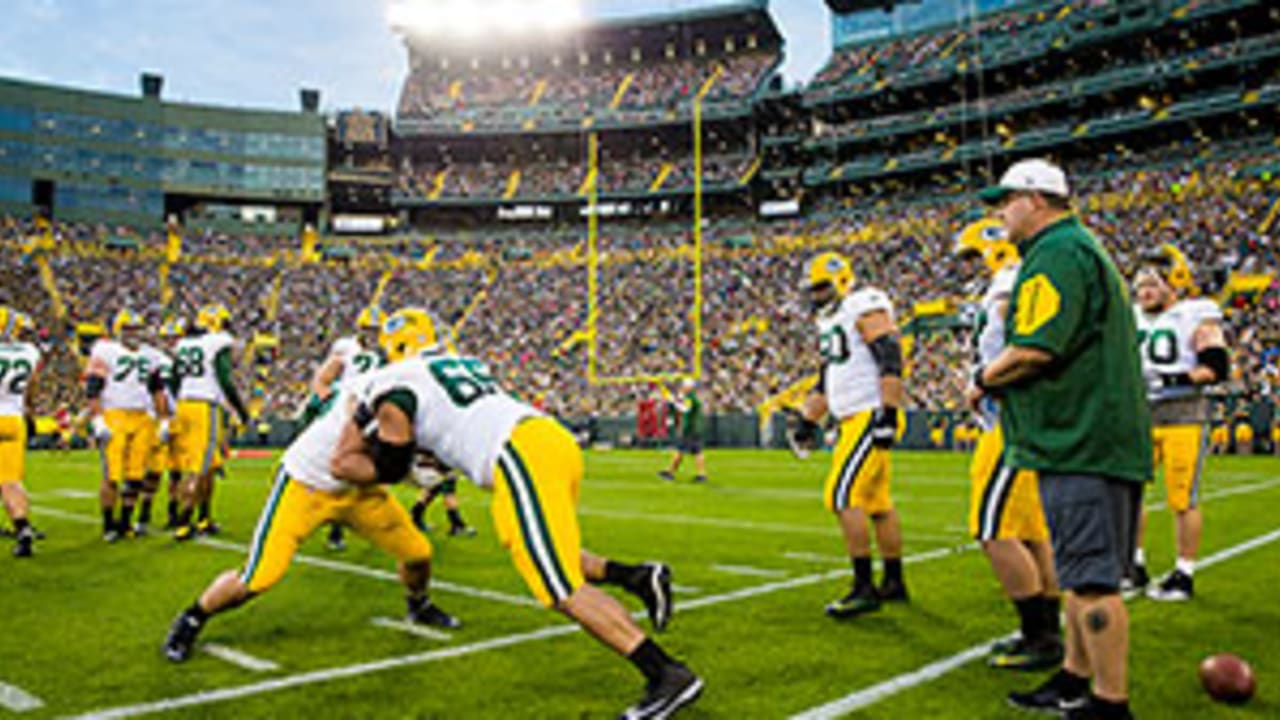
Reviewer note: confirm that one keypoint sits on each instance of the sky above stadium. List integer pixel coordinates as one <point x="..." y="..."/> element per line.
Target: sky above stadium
<point x="256" y="53"/>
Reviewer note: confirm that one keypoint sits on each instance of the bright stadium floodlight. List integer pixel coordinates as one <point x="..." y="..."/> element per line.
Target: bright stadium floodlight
<point x="465" y="19"/>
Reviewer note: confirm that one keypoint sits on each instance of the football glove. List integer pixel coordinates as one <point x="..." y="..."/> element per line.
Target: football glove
<point x="803" y="435"/>
<point x="101" y="432"/>
<point x="884" y="427"/>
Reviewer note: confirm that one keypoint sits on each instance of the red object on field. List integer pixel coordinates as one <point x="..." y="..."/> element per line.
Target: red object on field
<point x="1227" y="678"/>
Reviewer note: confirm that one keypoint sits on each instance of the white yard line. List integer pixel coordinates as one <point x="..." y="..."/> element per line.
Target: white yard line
<point x="686" y="589"/>
<point x="934" y="670"/>
<point x="405" y="626"/>
<point x="727" y="523"/>
<point x="748" y="571"/>
<point x="240" y="659"/>
<point x="327" y="675"/>
<point x="15" y="699"/>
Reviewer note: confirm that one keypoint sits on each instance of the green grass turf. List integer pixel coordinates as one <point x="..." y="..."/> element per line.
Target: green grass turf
<point x="83" y="621"/>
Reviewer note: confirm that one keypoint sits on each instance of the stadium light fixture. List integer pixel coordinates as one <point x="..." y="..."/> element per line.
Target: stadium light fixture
<point x="468" y="20"/>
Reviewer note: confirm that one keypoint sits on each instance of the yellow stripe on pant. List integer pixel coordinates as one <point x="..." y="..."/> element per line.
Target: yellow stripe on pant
<point x="294" y="510"/>
<point x="860" y="471"/>
<point x="13" y="449"/>
<point x="535" y="507"/>
<point x="133" y="434"/>
<point x="1004" y="504"/>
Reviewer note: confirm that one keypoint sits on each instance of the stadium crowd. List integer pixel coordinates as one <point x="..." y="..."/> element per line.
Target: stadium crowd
<point x="525" y="312"/>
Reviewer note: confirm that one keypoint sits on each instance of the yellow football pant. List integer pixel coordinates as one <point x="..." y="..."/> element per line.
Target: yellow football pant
<point x="1004" y="504"/>
<point x="295" y="510"/>
<point x="860" y="471"/>
<point x="133" y="434"/>
<point x="1180" y="451"/>
<point x="198" y="436"/>
<point x="13" y="449"/>
<point x="535" y="507"/>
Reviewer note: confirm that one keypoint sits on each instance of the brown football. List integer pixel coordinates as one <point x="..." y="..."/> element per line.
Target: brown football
<point x="1227" y="678"/>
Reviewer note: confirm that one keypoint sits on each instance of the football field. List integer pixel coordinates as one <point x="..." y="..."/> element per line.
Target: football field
<point x="755" y="557"/>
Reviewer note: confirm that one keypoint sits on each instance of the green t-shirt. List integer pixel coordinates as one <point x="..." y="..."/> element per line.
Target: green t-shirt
<point x="1087" y="412"/>
<point x="691" y="418"/>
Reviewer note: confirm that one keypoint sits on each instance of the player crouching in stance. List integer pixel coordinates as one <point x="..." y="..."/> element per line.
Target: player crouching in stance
<point x="861" y="384"/>
<point x="1183" y="351"/>
<point x="1005" y="514"/>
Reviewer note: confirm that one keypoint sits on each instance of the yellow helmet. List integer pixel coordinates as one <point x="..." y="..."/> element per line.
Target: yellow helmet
<point x="371" y="318"/>
<point x="408" y="332"/>
<point x="213" y="318"/>
<point x="125" y="319"/>
<point x="831" y="267"/>
<point x="1171" y="265"/>
<point x="988" y="239"/>
<point x="174" y="327"/>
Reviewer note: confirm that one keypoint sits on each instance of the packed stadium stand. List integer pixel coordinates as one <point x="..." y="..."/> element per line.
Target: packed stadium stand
<point x="1163" y="112"/>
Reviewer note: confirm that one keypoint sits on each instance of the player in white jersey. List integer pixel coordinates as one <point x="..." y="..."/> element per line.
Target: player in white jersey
<point x="126" y="393"/>
<point x="1005" y="514"/>
<point x="159" y="459"/>
<point x="430" y="401"/>
<point x="349" y="358"/>
<point x="19" y="365"/>
<point x="1183" y="351"/>
<point x="861" y="387"/>
<point x="203" y="368"/>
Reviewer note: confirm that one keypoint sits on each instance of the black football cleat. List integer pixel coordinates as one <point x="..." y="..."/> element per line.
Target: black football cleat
<point x="424" y="612"/>
<point x="182" y="637"/>
<point x="677" y="688"/>
<point x="1059" y="694"/>
<point x="861" y="599"/>
<point x="462" y="531"/>
<point x="666" y="475"/>
<point x="653" y="586"/>
<point x="1135" y="582"/>
<point x="1090" y="710"/>
<point x="893" y="591"/>
<point x="1177" y="586"/>
<point x="1025" y="655"/>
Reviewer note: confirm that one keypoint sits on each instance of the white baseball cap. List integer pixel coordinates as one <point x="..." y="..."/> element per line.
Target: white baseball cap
<point x="1034" y="175"/>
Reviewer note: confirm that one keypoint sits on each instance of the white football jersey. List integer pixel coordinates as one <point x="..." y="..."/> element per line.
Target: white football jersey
<point x="460" y="415"/>
<point x="852" y="378"/>
<point x="1166" y="343"/>
<point x="18" y="362"/>
<point x="128" y="374"/>
<point x="193" y="361"/>
<point x="989" y="337"/>
<point x="356" y="360"/>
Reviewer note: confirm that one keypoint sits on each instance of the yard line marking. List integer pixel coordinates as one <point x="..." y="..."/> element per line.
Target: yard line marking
<point x="410" y="628"/>
<point x="75" y="494"/>
<point x="235" y="657"/>
<point x="336" y="673"/>
<point x="815" y="557"/>
<point x="686" y="589"/>
<point x="748" y="570"/>
<point x="875" y="693"/>
<point x="338" y="565"/>
<point x="16" y="699"/>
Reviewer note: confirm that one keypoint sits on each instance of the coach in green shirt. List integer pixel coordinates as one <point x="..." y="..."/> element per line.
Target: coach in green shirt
<point x="1073" y="409"/>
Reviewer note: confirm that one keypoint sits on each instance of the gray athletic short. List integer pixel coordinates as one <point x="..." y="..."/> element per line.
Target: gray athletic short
<point x="1093" y="521"/>
<point x="689" y="446"/>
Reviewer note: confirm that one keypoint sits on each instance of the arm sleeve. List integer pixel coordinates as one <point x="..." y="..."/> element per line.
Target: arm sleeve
<point x="222" y="366"/>
<point x="1048" y="305"/>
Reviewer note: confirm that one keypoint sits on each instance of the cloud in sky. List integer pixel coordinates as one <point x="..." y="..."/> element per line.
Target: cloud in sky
<point x="258" y="54"/>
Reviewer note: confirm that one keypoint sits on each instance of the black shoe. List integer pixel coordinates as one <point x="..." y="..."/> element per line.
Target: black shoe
<point x="699" y="478"/>
<point x="1060" y="693"/>
<point x="653" y="586"/>
<point x="677" y="687"/>
<point x="893" y="591"/>
<point x="1026" y="655"/>
<point x="462" y="530"/>
<point x="426" y="613"/>
<point x="1177" y="586"/>
<point x="1135" y="582"/>
<point x="860" y="600"/>
<point x="208" y="527"/>
<point x="665" y="475"/>
<point x="182" y="637"/>
<point x="22" y="548"/>
<point x="1093" y="710"/>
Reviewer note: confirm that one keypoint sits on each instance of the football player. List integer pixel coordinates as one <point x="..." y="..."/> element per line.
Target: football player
<point x="688" y="414"/>
<point x="160" y="459"/>
<point x="203" y="369"/>
<point x="19" y="364"/>
<point x="125" y="390"/>
<point x="860" y="383"/>
<point x="1005" y="515"/>
<point x="348" y="358"/>
<point x="1183" y="351"/>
